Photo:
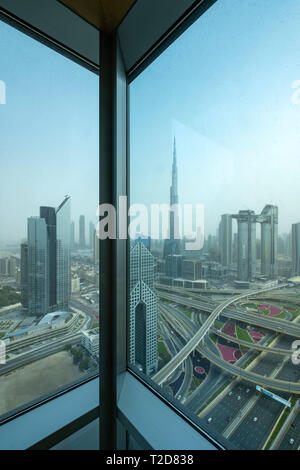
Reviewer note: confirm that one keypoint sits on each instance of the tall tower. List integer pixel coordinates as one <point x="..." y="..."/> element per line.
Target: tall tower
<point x="38" y="266"/>
<point x="63" y="281"/>
<point x="72" y="236"/>
<point x="96" y="249"/>
<point x="45" y="261"/>
<point x="246" y="245"/>
<point x="225" y="239"/>
<point x="296" y="249"/>
<point x="48" y="213"/>
<point x="143" y="309"/>
<point x="269" y="241"/>
<point x="82" y="231"/>
<point x="91" y="235"/>
<point x="172" y="246"/>
<point x="24" y="275"/>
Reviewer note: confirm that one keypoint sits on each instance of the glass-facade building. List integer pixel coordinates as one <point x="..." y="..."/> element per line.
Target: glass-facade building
<point x="63" y="224"/>
<point x="48" y="267"/>
<point x="38" y="266"/>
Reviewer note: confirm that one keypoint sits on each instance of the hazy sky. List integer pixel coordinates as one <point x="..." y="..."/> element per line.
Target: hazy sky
<point x="49" y="131"/>
<point x="224" y="88"/>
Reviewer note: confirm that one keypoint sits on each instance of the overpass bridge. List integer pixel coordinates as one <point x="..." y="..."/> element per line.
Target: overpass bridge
<point x="278" y="325"/>
<point x="259" y="347"/>
<point x="282" y="385"/>
<point x="164" y="373"/>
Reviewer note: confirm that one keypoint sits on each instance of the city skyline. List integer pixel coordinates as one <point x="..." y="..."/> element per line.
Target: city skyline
<point x="236" y="126"/>
<point x="49" y="133"/>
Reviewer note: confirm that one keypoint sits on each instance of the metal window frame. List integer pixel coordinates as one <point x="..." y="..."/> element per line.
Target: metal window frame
<point x="125" y="375"/>
<point x="114" y="181"/>
<point x="39" y="20"/>
<point x="117" y="340"/>
<point x="40" y="406"/>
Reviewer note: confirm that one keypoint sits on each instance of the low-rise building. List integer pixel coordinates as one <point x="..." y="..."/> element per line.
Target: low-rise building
<point x="90" y="341"/>
<point x="75" y="283"/>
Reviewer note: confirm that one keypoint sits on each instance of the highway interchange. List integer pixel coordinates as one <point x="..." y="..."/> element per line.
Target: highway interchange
<point x="238" y="412"/>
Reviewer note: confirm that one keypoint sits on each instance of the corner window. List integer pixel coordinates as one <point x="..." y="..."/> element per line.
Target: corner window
<point x="49" y="257"/>
<point x="214" y="253"/>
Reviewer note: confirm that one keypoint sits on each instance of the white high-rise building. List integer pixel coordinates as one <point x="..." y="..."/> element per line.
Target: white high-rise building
<point x="143" y="309"/>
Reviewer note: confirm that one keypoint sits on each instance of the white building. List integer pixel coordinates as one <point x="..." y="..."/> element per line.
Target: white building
<point x="90" y="341"/>
<point x="143" y="310"/>
<point x="75" y="283"/>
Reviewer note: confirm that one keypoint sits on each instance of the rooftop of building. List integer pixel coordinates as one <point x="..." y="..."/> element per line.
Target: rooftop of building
<point x="49" y="317"/>
<point x="92" y="332"/>
<point x="295" y="279"/>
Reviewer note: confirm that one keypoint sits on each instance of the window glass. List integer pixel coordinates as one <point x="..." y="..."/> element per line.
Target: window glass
<point x="215" y="281"/>
<point x="49" y="258"/>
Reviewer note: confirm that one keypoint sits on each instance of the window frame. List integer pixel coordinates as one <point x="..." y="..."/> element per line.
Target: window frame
<point x="115" y="166"/>
<point x="85" y="390"/>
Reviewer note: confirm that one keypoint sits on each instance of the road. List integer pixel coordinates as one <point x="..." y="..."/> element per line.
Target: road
<point x="39" y="352"/>
<point x="163" y="373"/>
<point x="75" y="303"/>
<point x="279" y="325"/>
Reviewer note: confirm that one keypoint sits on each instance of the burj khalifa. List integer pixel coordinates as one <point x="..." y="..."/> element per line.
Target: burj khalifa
<point x="172" y="245"/>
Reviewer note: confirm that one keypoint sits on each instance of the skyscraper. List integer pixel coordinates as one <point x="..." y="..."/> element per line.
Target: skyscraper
<point x="45" y="260"/>
<point x="225" y="240"/>
<point x="143" y="309"/>
<point x="269" y="240"/>
<point x="96" y="249"/>
<point x="82" y="231"/>
<point x="246" y="245"/>
<point x="72" y="236"/>
<point x="91" y="235"/>
<point x="296" y="249"/>
<point x="24" y="275"/>
<point x="49" y="215"/>
<point x="63" y="282"/>
<point x="172" y="245"/>
<point x="38" y="266"/>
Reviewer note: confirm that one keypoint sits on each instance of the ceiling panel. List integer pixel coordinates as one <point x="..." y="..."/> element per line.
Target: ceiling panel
<point x="106" y="15"/>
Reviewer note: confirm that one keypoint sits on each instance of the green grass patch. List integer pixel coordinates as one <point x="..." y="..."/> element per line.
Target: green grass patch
<point x="163" y="352"/>
<point x="214" y="338"/>
<point x="9" y="296"/>
<point x="194" y="384"/>
<point x="277" y="428"/>
<point x="186" y="312"/>
<point x="243" y="334"/>
<point x="254" y="306"/>
<point x="266" y="311"/>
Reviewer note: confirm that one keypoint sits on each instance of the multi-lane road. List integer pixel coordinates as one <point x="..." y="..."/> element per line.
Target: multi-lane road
<point x="164" y="373"/>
